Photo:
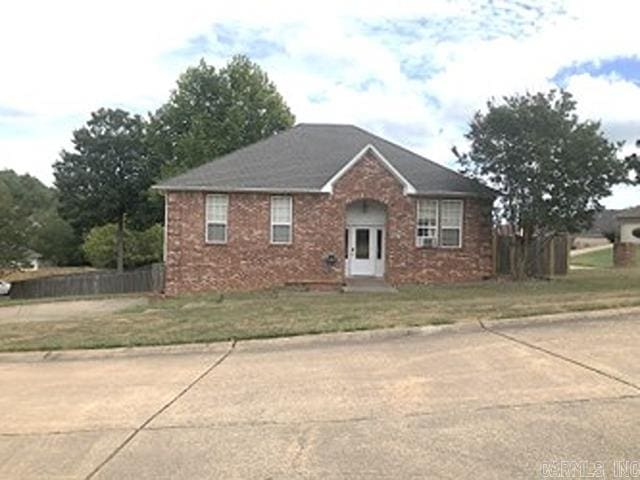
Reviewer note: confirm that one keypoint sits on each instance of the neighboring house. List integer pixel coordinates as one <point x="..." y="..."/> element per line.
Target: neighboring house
<point x="32" y="262"/>
<point x="629" y="221"/>
<point x="317" y="204"/>
<point x="607" y="224"/>
<point x="604" y="225"/>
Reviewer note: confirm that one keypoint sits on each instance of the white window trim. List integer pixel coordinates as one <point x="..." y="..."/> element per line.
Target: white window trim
<point x="461" y="202"/>
<point x="437" y="228"/>
<point x="438" y="238"/>
<point x="273" y="224"/>
<point x="207" y="222"/>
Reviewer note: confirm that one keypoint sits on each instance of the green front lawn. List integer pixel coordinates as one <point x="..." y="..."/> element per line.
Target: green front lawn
<point x="598" y="259"/>
<point x="212" y="317"/>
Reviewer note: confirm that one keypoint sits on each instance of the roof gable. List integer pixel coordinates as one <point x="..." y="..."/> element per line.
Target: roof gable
<point x="307" y="157"/>
<point x="406" y="185"/>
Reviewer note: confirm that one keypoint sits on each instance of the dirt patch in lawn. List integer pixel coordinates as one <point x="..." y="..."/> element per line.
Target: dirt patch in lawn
<point x="67" y="310"/>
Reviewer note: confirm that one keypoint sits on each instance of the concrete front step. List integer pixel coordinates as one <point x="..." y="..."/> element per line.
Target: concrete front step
<point x="367" y="285"/>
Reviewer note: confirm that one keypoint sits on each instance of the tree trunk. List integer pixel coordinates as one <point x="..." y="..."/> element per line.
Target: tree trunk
<point x="522" y="267"/>
<point x="120" y="244"/>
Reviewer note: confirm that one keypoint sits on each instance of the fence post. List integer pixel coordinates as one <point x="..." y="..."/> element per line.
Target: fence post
<point x="512" y="257"/>
<point x="494" y="253"/>
<point x="552" y="256"/>
<point x="547" y="257"/>
<point x="157" y="277"/>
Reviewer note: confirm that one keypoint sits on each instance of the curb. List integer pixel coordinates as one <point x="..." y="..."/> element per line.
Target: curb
<point x="568" y="317"/>
<point x="249" y="345"/>
<point x="319" y="339"/>
<point x="351" y="338"/>
<point x="114" y="353"/>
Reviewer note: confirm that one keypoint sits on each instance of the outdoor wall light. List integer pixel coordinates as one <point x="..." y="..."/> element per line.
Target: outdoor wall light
<point x="331" y="259"/>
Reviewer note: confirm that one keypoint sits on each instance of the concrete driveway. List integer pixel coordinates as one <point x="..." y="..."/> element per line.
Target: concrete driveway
<point x="515" y="400"/>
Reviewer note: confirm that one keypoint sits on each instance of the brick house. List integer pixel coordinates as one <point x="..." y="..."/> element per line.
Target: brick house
<point x="629" y="220"/>
<point x="318" y="204"/>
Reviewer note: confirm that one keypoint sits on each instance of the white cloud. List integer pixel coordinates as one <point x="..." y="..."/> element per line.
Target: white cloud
<point x="431" y="64"/>
<point x="624" y="196"/>
<point x="611" y="99"/>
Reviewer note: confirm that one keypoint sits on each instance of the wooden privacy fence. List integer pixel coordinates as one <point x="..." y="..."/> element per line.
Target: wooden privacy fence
<point x="144" y="279"/>
<point x="546" y="257"/>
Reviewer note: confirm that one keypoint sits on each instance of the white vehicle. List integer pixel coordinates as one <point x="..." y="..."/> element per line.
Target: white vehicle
<point x="4" y="287"/>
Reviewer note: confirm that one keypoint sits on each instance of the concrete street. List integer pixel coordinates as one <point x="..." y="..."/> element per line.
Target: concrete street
<point x="510" y="402"/>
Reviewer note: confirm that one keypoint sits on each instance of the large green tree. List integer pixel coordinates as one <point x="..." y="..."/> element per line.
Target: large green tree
<point x="55" y="239"/>
<point x="15" y="230"/>
<point x="633" y="161"/>
<point x="107" y="174"/>
<point x="31" y="220"/>
<point x="213" y="112"/>
<point x="27" y="191"/>
<point x="551" y="169"/>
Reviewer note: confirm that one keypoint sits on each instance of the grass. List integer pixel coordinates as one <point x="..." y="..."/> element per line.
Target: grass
<point x="213" y="317"/>
<point x="598" y="259"/>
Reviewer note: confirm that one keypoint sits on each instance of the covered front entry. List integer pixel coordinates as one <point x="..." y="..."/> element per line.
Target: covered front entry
<point x="365" y="239"/>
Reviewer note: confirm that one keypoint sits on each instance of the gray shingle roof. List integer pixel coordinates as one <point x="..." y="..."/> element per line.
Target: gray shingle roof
<point x="307" y="156"/>
<point x="633" y="212"/>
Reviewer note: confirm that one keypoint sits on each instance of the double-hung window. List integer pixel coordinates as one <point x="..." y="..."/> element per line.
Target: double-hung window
<point x="216" y="218"/>
<point x="439" y="223"/>
<point x="281" y="219"/>
<point x="427" y="224"/>
<point x="451" y="223"/>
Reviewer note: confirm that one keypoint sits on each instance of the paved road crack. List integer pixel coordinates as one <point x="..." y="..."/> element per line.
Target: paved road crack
<point x="302" y="443"/>
<point x="162" y="409"/>
<point x="559" y="356"/>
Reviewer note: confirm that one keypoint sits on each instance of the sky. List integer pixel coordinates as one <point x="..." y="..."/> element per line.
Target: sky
<point x="411" y="71"/>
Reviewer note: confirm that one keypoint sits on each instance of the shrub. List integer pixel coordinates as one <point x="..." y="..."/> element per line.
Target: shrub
<point x="140" y="247"/>
<point x="146" y="246"/>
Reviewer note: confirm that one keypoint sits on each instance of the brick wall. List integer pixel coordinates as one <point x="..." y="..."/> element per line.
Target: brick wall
<point x="248" y="261"/>
<point x="624" y="254"/>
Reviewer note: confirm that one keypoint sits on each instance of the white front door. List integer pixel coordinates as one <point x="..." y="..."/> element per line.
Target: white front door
<point x="365" y="246"/>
